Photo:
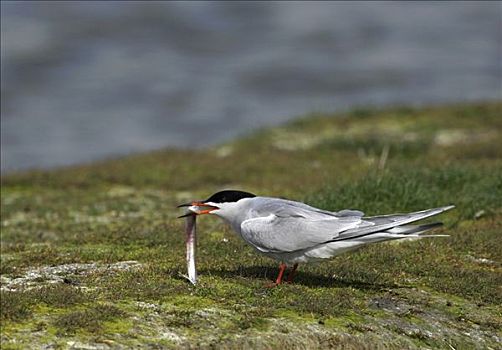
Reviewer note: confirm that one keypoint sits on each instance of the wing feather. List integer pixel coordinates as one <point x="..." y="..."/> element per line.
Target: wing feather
<point x="287" y="233"/>
<point x="285" y="208"/>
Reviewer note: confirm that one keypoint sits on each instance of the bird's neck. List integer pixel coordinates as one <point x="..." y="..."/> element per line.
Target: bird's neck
<point x="234" y="214"/>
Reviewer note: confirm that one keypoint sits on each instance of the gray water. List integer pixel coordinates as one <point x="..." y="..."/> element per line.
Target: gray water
<point x="86" y="80"/>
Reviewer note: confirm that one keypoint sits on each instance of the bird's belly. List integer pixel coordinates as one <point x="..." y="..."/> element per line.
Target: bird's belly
<point x="316" y="253"/>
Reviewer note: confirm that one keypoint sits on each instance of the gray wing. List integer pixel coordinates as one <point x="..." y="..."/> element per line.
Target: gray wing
<point x="283" y="226"/>
<point x="284" y="208"/>
<point x="289" y="233"/>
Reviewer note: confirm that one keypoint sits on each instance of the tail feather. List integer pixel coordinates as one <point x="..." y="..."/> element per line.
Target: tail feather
<point x="413" y="229"/>
<point x="401" y="232"/>
<point x="394" y="225"/>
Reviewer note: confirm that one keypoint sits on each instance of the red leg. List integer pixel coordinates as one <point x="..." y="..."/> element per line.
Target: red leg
<point x="282" y="268"/>
<point x="292" y="273"/>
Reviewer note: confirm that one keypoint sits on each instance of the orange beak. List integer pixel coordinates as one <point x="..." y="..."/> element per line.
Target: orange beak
<point x="197" y="204"/>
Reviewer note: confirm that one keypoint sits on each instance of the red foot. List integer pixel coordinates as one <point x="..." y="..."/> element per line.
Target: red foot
<point x="282" y="268"/>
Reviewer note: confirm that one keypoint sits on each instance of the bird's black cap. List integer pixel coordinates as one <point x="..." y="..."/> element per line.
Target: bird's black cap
<point x="228" y="196"/>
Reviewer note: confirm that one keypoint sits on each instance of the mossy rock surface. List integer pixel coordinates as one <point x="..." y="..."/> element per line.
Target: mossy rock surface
<point x="92" y="254"/>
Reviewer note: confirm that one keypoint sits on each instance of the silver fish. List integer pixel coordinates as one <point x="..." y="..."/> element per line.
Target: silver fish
<point x="191" y="239"/>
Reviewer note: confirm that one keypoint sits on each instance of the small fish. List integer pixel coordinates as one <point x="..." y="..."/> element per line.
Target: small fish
<point x="191" y="239"/>
<point x="194" y="208"/>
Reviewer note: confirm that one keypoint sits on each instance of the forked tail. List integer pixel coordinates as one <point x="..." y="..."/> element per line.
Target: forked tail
<point x="393" y="226"/>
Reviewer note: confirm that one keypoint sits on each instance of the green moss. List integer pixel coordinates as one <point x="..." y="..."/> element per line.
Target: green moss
<point x="117" y="326"/>
<point x="191" y="302"/>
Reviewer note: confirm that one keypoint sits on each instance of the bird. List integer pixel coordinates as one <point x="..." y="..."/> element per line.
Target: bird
<point x="294" y="232"/>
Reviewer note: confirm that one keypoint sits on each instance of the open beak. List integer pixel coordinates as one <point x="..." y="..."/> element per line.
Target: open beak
<point x="197" y="208"/>
<point x="185" y="205"/>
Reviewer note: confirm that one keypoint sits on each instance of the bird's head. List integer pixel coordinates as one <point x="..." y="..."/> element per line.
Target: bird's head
<point x="217" y="203"/>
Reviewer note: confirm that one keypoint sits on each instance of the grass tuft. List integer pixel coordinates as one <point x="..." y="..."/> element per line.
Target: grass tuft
<point x="89" y="320"/>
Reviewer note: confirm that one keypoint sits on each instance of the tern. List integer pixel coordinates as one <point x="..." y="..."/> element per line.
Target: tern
<point x="294" y="232"/>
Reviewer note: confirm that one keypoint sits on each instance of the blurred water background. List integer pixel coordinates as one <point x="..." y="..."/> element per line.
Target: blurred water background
<point x="85" y="80"/>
